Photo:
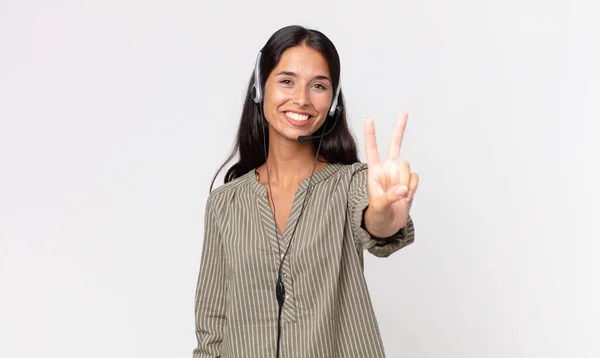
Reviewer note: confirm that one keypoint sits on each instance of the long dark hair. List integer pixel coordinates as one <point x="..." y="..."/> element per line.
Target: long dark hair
<point x="337" y="147"/>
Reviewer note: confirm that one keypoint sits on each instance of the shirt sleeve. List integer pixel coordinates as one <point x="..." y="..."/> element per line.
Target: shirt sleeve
<point x="210" y="291"/>
<point x="358" y="201"/>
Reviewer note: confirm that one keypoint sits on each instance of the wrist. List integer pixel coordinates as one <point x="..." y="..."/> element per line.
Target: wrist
<point x="373" y="227"/>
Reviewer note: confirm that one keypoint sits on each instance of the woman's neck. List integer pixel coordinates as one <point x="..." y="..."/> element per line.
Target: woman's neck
<point x="289" y="163"/>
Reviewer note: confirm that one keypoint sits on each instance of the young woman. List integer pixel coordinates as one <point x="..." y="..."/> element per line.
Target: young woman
<point x="282" y="263"/>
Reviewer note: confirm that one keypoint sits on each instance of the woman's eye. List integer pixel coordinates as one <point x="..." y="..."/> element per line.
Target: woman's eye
<point x="286" y="82"/>
<point x="320" y="86"/>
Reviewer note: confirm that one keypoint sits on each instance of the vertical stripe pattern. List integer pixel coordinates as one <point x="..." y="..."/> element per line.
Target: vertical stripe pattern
<point x="327" y="310"/>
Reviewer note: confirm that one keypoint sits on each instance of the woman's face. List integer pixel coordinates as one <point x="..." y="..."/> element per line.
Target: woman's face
<point x="298" y="93"/>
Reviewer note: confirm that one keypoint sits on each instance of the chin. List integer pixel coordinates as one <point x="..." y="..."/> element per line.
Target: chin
<point x="286" y="129"/>
<point x="294" y="136"/>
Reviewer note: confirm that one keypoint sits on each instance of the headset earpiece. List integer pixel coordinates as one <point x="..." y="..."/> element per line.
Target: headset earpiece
<point x="334" y="104"/>
<point x="256" y="90"/>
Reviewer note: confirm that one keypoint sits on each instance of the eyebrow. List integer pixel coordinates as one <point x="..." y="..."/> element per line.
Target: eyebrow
<point x="288" y="73"/>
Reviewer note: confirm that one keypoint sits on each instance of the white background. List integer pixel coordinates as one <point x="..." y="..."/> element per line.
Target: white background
<point x="114" y="115"/>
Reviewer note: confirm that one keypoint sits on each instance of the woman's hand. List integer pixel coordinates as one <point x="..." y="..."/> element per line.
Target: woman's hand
<point x="391" y="185"/>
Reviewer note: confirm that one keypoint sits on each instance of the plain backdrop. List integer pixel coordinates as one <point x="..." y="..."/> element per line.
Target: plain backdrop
<point x="114" y="116"/>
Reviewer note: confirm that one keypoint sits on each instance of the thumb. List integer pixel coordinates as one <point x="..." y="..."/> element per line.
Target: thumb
<point x="392" y="195"/>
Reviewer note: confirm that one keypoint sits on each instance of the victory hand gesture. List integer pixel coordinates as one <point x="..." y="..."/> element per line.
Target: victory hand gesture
<point x="391" y="185"/>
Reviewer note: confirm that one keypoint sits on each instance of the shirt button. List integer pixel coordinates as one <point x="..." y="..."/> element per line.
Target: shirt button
<point x="285" y="275"/>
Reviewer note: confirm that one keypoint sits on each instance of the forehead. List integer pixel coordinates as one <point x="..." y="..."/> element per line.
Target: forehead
<point x="302" y="60"/>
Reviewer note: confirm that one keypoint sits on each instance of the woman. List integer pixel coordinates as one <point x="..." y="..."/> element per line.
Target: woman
<point x="282" y="263"/>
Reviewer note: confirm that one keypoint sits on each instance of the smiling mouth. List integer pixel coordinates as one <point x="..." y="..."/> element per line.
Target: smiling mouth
<point x="296" y="117"/>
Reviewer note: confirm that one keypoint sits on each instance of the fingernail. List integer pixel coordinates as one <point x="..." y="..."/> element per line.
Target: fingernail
<point x="401" y="190"/>
<point x="410" y="196"/>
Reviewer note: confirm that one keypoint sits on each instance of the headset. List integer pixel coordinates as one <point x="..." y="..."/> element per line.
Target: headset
<point x="334" y="110"/>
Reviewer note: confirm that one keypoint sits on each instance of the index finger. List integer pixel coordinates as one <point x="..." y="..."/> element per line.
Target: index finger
<point x="371" y="142"/>
<point x="396" y="142"/>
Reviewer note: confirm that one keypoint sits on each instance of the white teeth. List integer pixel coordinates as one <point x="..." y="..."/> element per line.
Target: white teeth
<point x="297" y="117"/>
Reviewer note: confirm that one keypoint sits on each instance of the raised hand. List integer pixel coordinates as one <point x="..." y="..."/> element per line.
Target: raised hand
<point x="391" y="185"/>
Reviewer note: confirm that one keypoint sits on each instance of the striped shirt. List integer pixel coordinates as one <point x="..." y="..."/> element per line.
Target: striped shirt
<point x="327" y="310"/>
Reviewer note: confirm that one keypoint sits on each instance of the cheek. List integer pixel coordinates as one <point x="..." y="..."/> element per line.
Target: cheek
<point x="275" y="97"/>
<point x="321" y="101"/>
<point x="271" y="107"/>
<point x="323" y="107"/>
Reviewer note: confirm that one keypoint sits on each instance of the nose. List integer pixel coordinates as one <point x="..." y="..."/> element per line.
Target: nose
<point x="301" y="97"/>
